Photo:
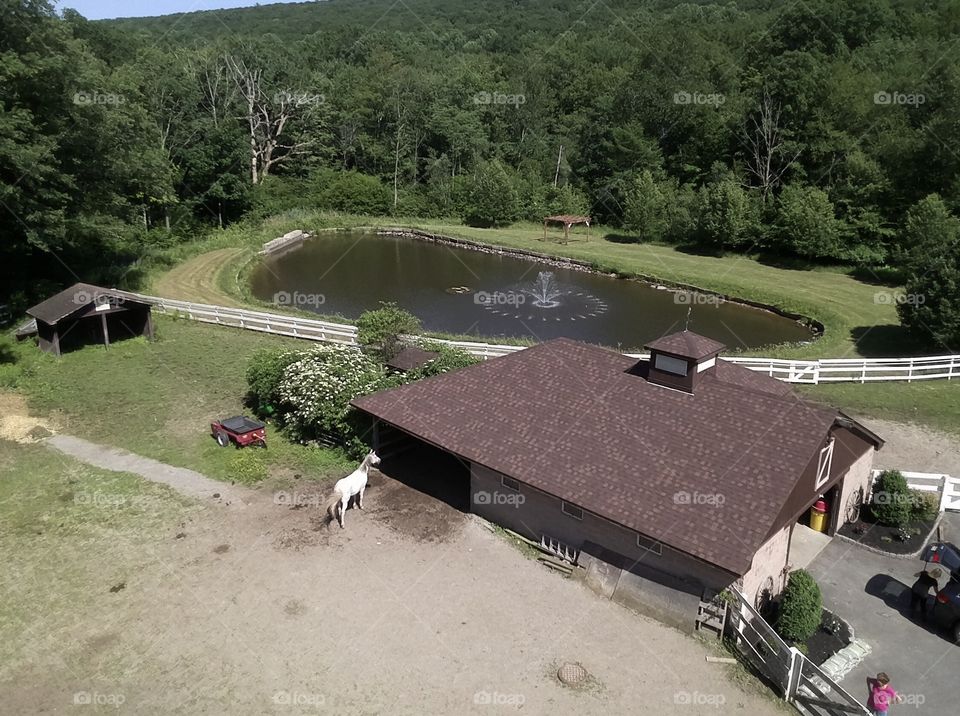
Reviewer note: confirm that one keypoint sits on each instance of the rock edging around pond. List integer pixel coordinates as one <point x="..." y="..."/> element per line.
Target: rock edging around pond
<point x="811" y="324"/>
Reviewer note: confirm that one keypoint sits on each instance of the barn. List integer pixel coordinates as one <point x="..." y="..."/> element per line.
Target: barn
<point x="668" y="478"/>
<point x="85" y="314"/>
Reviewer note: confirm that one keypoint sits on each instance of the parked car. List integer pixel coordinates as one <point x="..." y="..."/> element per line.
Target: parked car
<point x="946" y="607"/>
<point x="944" y="555"/>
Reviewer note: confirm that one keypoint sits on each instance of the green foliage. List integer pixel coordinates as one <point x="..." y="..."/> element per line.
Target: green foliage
<point x="264" y="372"/>
<point x="806" y="224"/>
<point x="929" y="308"/>
<point x="645" y="210"/>
<point x="891" y="500"/>
<point x="352" y="192"/>
<point x="381" y="329"/>
<point x="801" y="607"/>
<point x="450" y="358"/>
<point x="728" y="216"/>
<point x="928" y="228"/>
<point x="924" y="506"/>
<point x="315" y="394"/>
<point x="490" y="197"/>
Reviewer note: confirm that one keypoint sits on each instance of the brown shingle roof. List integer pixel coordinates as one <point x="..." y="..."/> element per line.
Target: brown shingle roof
<point x="70" y="300"/>
<point x="570" y="419"/>
<point x="687" y="344"/>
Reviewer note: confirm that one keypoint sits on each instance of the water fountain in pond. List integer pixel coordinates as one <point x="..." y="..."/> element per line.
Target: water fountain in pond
<point x="545" y="291"/>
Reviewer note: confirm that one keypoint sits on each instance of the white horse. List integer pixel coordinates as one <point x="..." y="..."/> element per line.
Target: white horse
<point x="349" y="487"/>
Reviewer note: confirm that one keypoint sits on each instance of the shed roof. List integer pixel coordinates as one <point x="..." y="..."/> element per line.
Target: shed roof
<point x="70" y="300"/>
<point x="583" y="424"/>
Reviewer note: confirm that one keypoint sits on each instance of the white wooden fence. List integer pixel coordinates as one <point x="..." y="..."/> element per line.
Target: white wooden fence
<point x="947" y="488"/>
<point x="797" y="679"/>
<point x="825" y="370"/>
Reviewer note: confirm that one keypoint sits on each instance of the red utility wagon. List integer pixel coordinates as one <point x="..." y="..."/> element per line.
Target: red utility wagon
<point x="239" y="430"/>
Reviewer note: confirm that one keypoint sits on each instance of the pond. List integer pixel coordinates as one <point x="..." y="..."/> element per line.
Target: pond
<point x="489" y="295"/>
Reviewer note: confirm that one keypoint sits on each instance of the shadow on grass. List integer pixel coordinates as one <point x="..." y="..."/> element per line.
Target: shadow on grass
<point x="885" y="341"/>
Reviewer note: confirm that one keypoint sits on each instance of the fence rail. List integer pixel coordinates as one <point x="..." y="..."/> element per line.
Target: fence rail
<point x="825" y="370"/>
<point x="796" y="679"/>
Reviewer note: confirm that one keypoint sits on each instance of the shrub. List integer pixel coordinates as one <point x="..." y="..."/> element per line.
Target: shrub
<point x="801" y="608"/>
<point x="450" y="358"/>
<point x="382" y="328"/>
<point x="924" y="506"/>
<point x="264" y="373"/>
<point x="352" y="192"/>
<point x="491" y="197"/>
<point x="316" y="391"/>
<point x="890" y="503"/>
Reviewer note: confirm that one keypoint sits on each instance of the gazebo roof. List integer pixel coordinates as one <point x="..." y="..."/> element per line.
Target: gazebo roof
<point x="568" y="219"/>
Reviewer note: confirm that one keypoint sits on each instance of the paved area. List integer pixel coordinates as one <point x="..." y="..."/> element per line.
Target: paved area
<point x="805" y="545"/>
<point x="871" y="591"/>
<point x="189" y="482"/>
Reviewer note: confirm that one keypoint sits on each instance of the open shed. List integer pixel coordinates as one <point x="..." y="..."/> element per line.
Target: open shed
<point x="85" y="314"/>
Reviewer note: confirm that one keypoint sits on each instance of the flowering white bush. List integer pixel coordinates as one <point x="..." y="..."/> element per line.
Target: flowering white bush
<point x="316" y="390"/>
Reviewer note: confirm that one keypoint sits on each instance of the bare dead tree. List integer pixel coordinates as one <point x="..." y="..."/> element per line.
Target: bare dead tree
<point x="267" y="117"/>
<point x="767" y="156"/>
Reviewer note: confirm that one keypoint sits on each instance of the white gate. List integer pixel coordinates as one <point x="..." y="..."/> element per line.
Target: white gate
<point x="947" y="488"/>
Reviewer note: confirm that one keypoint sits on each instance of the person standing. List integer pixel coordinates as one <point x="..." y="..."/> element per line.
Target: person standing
<point x="882" y="695"/>
<point x="921" y="590"/>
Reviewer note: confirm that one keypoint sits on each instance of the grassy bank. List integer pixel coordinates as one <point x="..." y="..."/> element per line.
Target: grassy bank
<point x="157" y="399"/>
<point x="856" y="323"/>
<point x="934" y="403"/>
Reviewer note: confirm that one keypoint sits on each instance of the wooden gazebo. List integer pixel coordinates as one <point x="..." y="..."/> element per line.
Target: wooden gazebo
<point x="567" y="220"/>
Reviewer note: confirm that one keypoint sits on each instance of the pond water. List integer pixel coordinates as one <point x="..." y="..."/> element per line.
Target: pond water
<point x="457" y="290"/>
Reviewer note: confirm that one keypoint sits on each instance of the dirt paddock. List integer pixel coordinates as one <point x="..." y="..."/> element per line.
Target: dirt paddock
<point x="414" y="608"/>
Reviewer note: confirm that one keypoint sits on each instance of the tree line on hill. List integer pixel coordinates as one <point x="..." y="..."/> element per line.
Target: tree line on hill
<point x="823" y="131"/>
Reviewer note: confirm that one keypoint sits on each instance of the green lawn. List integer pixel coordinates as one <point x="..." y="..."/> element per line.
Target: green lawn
<point x="158" y="398"/>
<point x="934" y="403"/>
<point x="68" y="534"/>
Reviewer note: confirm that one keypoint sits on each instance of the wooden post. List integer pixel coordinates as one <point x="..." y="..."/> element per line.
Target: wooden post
<point x="149" y="325"/>
<point x="544" y="229"/>
<point x="56" y="342"/>
<point x="106" y="333"/>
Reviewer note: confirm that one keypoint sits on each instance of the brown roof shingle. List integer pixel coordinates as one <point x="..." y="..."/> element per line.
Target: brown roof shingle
<point x="70" y="300"/>
<point x="572" y="420"/>
<point x="687" y="344"/>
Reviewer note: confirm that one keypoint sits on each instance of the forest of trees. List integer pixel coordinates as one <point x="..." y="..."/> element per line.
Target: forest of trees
<point x="822" y="131"/>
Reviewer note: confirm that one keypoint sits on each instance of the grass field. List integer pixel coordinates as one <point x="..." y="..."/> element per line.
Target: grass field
<point x="69" y="534"/>
<point x="158" y="398"/>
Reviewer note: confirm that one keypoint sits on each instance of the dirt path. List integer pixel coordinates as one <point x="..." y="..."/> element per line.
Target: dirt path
<point x="916" y="448"/>
<point x="196" y="279"/>
<point x="414" y="608"/>
<point x="181" y="479"/>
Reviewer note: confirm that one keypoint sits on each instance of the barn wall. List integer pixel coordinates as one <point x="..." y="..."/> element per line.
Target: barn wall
<point x="768" y="563"/>
<point x="856" y="485"/>
<point x="667" y="587"/>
